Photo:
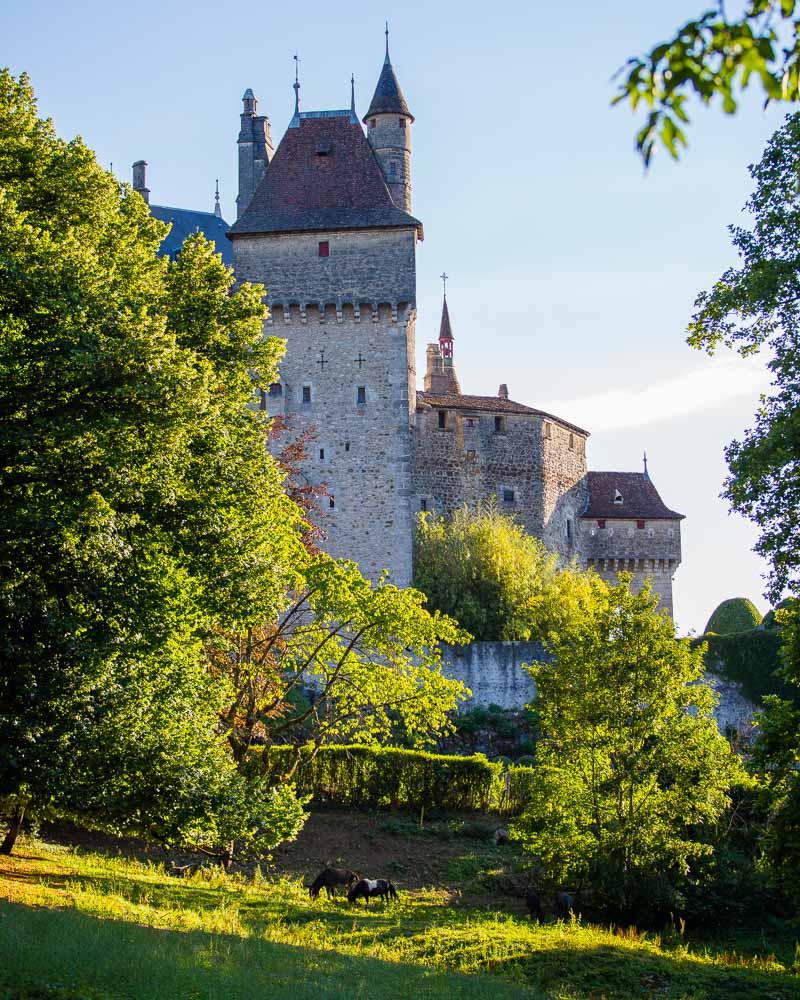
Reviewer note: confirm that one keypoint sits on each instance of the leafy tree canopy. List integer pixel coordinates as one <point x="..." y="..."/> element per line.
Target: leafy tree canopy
<point x="630" y="762"/>
<point x="712" y="57"/>
<point x="139" y="508"/>
<point x="737" y="614"/>
<point x="482" y="569"/>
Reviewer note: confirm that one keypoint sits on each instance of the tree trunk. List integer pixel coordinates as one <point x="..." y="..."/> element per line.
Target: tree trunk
<point x="13" y="831"/>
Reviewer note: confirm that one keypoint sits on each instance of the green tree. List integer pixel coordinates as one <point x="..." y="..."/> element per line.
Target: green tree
<point x="139" y="508"/>
<point x="481" y="568"/>
<point x="629" y="760"/>
<point x="754" y="305"/>
<point x="368" y="655"/>
<point x="713" y="57"/>
<point x="737" y="614"/>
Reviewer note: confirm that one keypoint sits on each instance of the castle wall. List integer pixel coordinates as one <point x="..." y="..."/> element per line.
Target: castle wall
<point x="653" y="551"/>
<point x="348" y="320"/>
<point x="469" y="461"/>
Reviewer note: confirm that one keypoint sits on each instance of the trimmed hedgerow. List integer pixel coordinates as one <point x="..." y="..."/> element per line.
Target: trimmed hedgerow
<point x="737" y="614"/>
<point x="373" y="776"/>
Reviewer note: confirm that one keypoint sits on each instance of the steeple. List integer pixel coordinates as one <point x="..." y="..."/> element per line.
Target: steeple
<point x="388" y="97"/>
<point x="296" y="84"/>
<point x="217" y="209"/>
<point x="255" y="150"/>
<point x="352" y="95"/>
<point x="440" y="374"/>
<point x="445" y="330"/>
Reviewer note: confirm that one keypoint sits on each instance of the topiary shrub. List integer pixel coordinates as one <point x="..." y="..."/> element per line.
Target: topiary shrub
<point x="769" y="617"/>
<point x="737" y="614"/>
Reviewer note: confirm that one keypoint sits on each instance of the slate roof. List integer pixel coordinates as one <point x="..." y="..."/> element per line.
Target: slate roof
<point x="324" y="175"/>
<point x="489" y="404"/>
<point x="185" y="222"/>
<point x="445" y="330"/>
<point x="388" y="97"/>
<point x="640" y="498"/>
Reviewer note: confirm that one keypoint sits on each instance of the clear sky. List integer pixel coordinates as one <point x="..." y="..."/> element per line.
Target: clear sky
<point x="572" y="272"/>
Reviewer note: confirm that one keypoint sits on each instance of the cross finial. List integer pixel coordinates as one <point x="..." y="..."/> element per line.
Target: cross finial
<point x="217" y="209"/>
<point x="296" y="84"/>
<point x="645" y="464"/>
<point x="444" y="276"/>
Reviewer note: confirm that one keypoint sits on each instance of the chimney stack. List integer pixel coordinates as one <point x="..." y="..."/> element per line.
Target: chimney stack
<point x="140" y="180"/>
<point x="503" y="391"/>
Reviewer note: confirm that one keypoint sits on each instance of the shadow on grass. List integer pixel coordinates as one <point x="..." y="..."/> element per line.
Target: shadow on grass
<point x="66" y="954"/>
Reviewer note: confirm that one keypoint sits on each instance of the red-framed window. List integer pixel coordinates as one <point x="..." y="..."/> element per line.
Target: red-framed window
<point x="324" y="248"/>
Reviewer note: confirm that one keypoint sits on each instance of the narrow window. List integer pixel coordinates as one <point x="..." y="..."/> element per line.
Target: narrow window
<point x="572" y="442"/>
<point x="601" y="522"/>
<point x="322" y="453"/>
<point x="262" y="403"/>
<point x="499" y="424"/>
<point x="508" y="496"/>
<point x="423" y="504"/>
<point x="276" y="389"/>
<point x="372" y="123"/>
<point x="548" y="430"/>
<point x="640" y="523"/>
<point x="401" y="122"/>
<point x="361" y="395"/>
<point x="442" y="419"/>
<point x="324" y="248"/>
<point x="306" y="393"/>
<point x="347" y="446"/>
<point x="332" y="502"/>
<point x="569" y="529"/>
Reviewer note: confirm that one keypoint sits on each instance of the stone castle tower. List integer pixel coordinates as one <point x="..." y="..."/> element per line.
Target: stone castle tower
<point x="328" y="230"/>
<point x="324" y="223"/>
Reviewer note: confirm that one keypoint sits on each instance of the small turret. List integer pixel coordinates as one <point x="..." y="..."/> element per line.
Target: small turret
<point x="255" y="150"/>
<point x="140" y="180"/>
<point x="440" y="375"/>
<point x="388" y="124"/>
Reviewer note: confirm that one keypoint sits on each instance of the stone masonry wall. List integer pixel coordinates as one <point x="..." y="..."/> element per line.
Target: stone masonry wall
<point x="468" y="461"/>
<point x="348" y="375"/>
<point x="653" y="552"/>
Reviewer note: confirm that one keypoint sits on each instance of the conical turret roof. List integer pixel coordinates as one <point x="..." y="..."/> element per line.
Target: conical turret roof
<point x="445" y="330"/>
<point x="388" y="97"/>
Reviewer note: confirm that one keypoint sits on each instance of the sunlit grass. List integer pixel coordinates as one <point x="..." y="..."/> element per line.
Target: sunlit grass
<point x="127" y="928"/>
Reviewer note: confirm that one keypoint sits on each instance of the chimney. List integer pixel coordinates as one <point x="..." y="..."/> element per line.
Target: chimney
<point x="140" y="180"/>
<point x="503" y="391"/>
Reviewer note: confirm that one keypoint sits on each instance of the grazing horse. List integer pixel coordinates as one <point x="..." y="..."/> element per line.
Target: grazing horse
<point x="329" y="878"/>
<point x="368" y="887"/>
<point x="534" y="904"/>
<point x="563" y="906"/>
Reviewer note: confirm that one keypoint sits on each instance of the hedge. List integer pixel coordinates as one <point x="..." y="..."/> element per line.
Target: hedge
<point x="378" y="776"/>
<point x="750" y="659"/>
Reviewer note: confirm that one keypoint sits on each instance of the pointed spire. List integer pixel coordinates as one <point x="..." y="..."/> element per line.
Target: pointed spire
<point x="217" y="209"/>
<point x="445" y="330"/>
<point x="647" y="475"/>
<point x="388" y="97"/>
<point x="296" y="84"/>
<point x="352" y="95"/>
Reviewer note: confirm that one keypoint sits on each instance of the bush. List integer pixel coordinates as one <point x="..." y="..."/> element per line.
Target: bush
<point x="751" y="660"/>
<point x="738" y="614"/>
<point x="375" y="776"/>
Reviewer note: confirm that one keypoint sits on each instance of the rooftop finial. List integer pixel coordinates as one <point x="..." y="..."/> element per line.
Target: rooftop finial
<point x="444" y="278"/>
<point x="353" y="94"/>
<point x="645" y="465"/>
<point x="217" y="209"/>
<point x="296" y="84"/>
<point x="387" y="41"/>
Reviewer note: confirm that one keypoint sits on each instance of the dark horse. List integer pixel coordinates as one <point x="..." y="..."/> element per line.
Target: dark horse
<point x="534" y="903"/>
<point x="368" y="887"/>
<point x="329" y="878"/>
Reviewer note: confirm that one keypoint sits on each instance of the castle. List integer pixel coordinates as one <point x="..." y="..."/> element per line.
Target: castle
<point x="325" y="222"/>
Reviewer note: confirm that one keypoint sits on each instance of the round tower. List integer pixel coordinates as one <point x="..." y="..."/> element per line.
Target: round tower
<point x="388" y="124"/>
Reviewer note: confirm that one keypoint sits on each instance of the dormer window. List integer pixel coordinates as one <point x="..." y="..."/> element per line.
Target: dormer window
<point x="617" y="497"/>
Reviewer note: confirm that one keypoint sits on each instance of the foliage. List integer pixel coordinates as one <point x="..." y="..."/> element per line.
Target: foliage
<point x="387" y="776"/>
<point x="737" y="614"/>
<point x="139" y="508"/>
<point x="749" y="659"/>
<point x="770" y="617"/>
<point x="108" y="928"/>
<point x="758" y="304"/>
<point x="367" y="655"/>
<point x="630" y="761"/>
<point x="483" y="569"/>
<point x="714" y="57"/>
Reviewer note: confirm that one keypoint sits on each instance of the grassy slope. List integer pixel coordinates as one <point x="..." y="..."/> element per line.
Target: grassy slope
<point x="80" y="925"/>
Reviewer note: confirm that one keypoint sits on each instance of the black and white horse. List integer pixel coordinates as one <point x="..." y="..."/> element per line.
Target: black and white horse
<point x="369" y="887"/>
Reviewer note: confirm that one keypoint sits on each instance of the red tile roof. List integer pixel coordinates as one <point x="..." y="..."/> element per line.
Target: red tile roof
<point x="324" y="176"/>
<point x="491" y="404"/>
<point x="640" y="498"/>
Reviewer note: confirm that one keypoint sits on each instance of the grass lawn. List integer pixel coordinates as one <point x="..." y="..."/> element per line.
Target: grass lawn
<point x="77" y="925"/>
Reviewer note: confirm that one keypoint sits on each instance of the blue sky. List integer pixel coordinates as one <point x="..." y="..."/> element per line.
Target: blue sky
<point x="572" y="271"/>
